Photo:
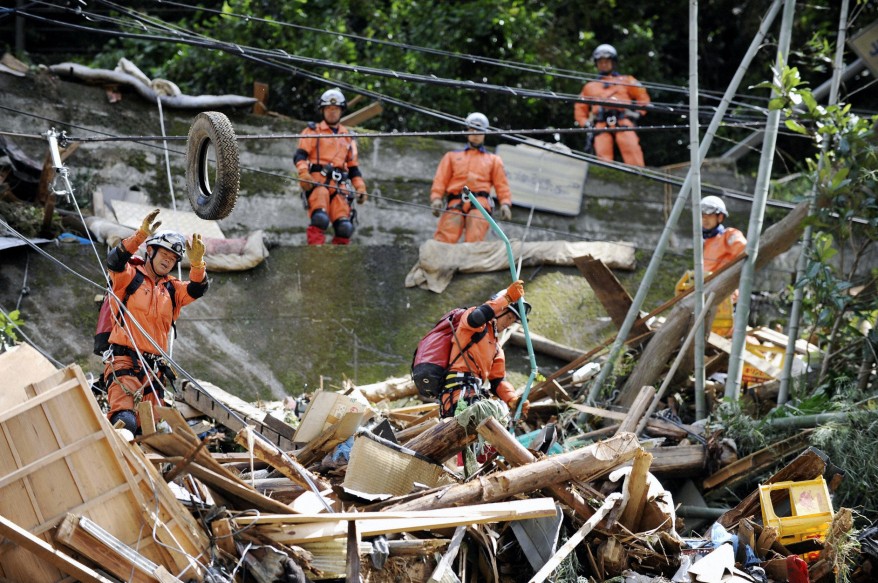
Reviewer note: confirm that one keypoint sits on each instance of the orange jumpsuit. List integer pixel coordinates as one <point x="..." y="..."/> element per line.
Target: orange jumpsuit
<point x="153" y="309"/>
<point x="480" y="171"/>
<point x="719" y="250"/>
<point x="613" y="87"/>
<point x="329" y="196"/>
<point x="482" y="365"/>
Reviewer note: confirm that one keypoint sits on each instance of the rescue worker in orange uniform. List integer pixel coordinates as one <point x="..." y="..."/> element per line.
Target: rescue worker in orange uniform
<point x="611" y="86"/>
<point x="328" y="167"/>
<point x="480" y="372"/>
<point x="135" y="370"/>
<point x="721" y="244"/>
<point x="478" y="169"/>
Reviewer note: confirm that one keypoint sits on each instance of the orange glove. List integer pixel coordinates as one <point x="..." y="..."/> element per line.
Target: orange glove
<point x="513" y="405"/>
<point x="515" y="291"/>
<point x="305" y="181"/>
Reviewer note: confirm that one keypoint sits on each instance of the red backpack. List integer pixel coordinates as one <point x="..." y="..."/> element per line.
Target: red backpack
<point x="430" y="362"/>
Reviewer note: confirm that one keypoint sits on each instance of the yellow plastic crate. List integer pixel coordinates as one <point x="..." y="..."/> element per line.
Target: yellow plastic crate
<point x="774" y="354"/>
<point x="810" y="510"/>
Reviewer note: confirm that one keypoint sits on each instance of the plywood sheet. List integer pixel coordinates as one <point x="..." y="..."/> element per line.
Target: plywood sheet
<point x="58" y="454"/>
<point x="20" y="366"/>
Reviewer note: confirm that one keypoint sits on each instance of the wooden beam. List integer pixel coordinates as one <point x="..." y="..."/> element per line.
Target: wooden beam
<point x="583" y="464"/>
<point x="637" y="410"/>
<point x="756" y="461"/>
<point x="46" y="552"/>
<point x="518" y="455"/>
<point x="285" y="464"/>
<point x="363" y="114"/>
<point x="636" y="488"/>
<point x="444" y="564"/>
<point x="574" y="540"/>
<point x="609" y="292"/>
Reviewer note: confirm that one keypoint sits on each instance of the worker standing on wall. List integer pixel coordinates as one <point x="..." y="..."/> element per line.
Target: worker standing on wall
<point x="612" y="86"/>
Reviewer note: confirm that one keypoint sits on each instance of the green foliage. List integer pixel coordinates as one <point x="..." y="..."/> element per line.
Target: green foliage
<point x="7" y="328"/>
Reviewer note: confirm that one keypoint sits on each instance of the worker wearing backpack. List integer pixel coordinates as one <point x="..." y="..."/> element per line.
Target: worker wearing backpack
<point x="478" y="369"/>
<point x="134" y="369"/>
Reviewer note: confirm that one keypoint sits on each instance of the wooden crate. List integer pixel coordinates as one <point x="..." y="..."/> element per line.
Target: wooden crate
<point x="59" y="455"/>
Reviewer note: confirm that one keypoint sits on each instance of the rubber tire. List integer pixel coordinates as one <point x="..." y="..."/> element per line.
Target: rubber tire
<point x="212" y="127"/>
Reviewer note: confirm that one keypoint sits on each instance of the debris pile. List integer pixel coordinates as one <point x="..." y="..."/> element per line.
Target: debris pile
<point x="364" y="489"/>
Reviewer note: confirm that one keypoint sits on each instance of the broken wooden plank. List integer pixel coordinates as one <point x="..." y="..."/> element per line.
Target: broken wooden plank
<point x="756" y="462"/>
<point x="574" y="540"/>
<point x="450" y="554"/>
<point x="609" y="292"/>
<point x="331" y="437"/>
<point x="90" y="540"/>
<point x="410" y="521"/>
<point x="285" y="464"/>
<point x="230" y="411"/>
<point x="583" y="464"/>
<point x="636" y="489"/>
<point x="45" y="551"/>
<point x="637" y="410"/>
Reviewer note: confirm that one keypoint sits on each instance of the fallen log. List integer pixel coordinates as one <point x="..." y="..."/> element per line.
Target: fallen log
<point x="391" y="389"/>
<point x="583" y="464"/>
<point x="518" y="455"/>
<point x="774" y="241"/>
<point x="440" y="442"/>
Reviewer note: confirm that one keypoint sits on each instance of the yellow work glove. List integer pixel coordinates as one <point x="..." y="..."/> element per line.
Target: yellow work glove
<point x="147" y="227"/>
<point x="195" y="251"/>
<point x="515" y="291"/>
<point x="505" y="212"/>
<point x="436" y="205"/>
<point x="361" y="196"/>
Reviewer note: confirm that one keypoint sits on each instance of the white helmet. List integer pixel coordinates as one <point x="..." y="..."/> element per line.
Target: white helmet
<point x="173" y="242"/>
<point x="604" y="52"/>
<point x="477" y="121"/>
<point x="713" y="205"/>
<point x="332" y="97"/>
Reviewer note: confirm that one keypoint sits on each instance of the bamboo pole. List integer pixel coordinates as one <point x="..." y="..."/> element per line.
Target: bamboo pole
<point x="652" y="269"/>
<point x="757" y="214"/>
<point x="802" y="261"/>
<point x="697" y="241"/>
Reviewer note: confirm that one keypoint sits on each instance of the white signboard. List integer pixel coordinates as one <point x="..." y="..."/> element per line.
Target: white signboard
<point x="544" y="180"/>
<point x="865" y="44"/>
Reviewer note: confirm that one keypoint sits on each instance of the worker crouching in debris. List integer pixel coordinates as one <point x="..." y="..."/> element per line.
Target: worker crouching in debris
<point x="481" y="171"/>
<point x="329" y="172"/>
<point x="135" y="371"/>
<point x="478" y="364"/>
